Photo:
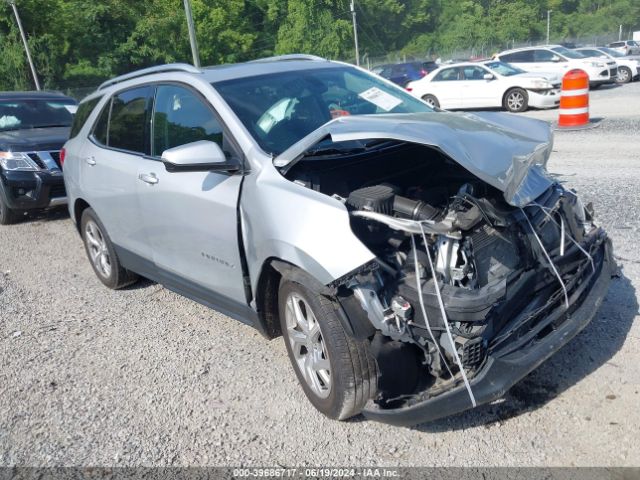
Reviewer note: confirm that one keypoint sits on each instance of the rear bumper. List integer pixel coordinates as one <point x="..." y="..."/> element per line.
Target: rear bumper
<point x="32" y="190"/>
<point x="504" y="368"/>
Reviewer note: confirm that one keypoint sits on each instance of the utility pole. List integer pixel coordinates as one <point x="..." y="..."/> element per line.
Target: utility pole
<point x="26" y="45"/>
<point x="548" y="24"/>
<point x="620" y="34"/>
<point x="355" y="31"/>
<point x="192" y="34"/>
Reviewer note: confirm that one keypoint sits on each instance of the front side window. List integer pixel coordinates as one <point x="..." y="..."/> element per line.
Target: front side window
<point x="129" y="120"/>
<point x="182" y="117"/>
<point x="544" y="56"/>
<point x="279" y="109"/>
<point x="474" y="73"/>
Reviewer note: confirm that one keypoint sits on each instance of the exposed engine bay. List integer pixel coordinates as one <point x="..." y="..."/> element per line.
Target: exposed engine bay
<point x="458" y="273"/>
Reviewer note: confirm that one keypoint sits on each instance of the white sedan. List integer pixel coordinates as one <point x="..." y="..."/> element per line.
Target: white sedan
<point x="491" y="84"/>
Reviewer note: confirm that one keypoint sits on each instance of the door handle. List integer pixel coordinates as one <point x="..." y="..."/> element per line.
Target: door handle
<point x="90" y="160"/>
<point x="149" y="178"/>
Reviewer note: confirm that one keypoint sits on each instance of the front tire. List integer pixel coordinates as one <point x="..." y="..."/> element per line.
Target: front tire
<point x="101" y="253"/>
<point x="338" y="373"/>
<point x="624" y="75"/>
<point x="7" y="215"/>
<point x="431" y="100"/>
<point x="516" y="100"/>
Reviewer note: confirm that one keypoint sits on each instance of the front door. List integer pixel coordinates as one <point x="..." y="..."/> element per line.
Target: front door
<point x="190" y="218"/>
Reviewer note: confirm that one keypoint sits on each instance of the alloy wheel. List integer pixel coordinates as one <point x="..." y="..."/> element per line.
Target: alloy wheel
<point x="515" y="101"/>
<point x="623" y="75"/>
<point x="307" y="344"/>
<point x="97" y="247"/>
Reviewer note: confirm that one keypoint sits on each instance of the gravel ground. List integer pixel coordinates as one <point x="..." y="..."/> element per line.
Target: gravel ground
<point x="142" y="376"/>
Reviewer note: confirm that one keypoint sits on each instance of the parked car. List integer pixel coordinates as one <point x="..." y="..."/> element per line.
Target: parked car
<point x="417" y="262"/>
<point x="626" y="47"/>
<point x="403" y="73"/>
<point x="492" y="84"/>
<point x="558" y="59"/>
<point x="628" y="66"/>
<point x="33" y="128"/>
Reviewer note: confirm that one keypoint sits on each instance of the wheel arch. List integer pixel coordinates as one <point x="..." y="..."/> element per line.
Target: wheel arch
<point x="79" y="206"/>
<point x="352" y="317"/>
<point x="266" y="291"/>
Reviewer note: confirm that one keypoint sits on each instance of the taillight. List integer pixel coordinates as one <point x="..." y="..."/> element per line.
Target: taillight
<point x="423" y="72"/>
<point x="408" y="89"/>
<point x="63" y="152"/>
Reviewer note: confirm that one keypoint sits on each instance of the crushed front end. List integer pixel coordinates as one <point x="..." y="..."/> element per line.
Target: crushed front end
<point x="469" y="296"/>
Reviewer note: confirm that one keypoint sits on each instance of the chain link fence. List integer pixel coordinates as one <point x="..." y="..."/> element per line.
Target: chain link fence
<point x="487" y="50"/>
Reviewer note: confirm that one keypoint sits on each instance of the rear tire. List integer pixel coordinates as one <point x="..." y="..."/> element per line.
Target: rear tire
<point x="338" y="373"/>
<point x="7" y="215"/>
<point x="624" y="75"/>
<point x="431" y="100"/>
<point x="101" y="253"/>
<point x="516" y="100"/>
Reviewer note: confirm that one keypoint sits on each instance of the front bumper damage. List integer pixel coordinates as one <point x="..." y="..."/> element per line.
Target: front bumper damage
<point x="512" y="360"/>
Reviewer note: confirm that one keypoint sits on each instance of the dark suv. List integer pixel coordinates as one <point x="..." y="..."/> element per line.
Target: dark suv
<point x="33" y="128"/>
<point x="403" y="73"/>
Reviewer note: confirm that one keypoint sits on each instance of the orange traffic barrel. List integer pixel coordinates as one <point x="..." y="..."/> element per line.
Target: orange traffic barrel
<point x="574" y="100"/>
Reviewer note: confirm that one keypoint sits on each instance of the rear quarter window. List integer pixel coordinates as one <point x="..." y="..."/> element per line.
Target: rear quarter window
<point x="81" y="116"/>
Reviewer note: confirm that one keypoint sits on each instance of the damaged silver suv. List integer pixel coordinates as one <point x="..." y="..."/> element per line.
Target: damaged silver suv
<point x="417" y="262"/>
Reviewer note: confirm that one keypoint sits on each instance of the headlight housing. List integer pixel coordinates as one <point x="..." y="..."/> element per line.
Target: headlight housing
<point x="17" y="161"/>
<point x="541" y="84"/>
<point x="597" y="64"/>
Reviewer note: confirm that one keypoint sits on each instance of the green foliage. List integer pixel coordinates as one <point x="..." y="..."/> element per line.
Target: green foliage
<point x="79" y="43"/>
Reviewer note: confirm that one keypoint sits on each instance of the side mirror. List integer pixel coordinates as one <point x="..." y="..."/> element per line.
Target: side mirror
<point x="201" y="156"/>
<point x="555" y="58"/>
<point x="489" y="76"/>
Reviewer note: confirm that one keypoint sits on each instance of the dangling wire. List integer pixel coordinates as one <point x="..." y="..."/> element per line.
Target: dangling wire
<point x="564" y="233"/>
<point x="422" y="307"/>
<point x="444" y="318"/>
<point x="544" y="250"/>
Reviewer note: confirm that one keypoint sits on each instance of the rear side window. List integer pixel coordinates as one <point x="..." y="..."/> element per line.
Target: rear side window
<point x="130" y="120"/>
<point x="84" y="110"/>
<point x="182" y="117"/>
<point x="447" y="75"/>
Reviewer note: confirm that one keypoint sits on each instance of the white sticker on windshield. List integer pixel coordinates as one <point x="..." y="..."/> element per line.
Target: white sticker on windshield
<point x="380" y="99"/>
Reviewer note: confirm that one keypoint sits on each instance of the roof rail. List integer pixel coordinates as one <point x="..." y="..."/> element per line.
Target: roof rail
<point x="292" y="56"/>
<point x="169" y="67"/>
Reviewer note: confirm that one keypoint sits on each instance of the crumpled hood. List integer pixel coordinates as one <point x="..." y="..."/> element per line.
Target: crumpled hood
<point x="509" y="152"/>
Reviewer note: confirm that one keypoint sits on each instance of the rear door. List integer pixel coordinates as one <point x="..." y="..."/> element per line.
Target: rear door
<point x="190" y="218"/>
<point x="446" y="86"/>
<point x="110" y="163"/>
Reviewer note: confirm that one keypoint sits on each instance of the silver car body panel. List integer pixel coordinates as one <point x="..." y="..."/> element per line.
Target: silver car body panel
<point x="509" y="160"/>
<point x="283" y="220"/>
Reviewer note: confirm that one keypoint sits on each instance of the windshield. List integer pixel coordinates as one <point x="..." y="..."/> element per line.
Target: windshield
<point x="503" y="69"/>
<point x="34" y="113"/>
<point x="567" y="53"/>
<point x="280" y="109"/>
